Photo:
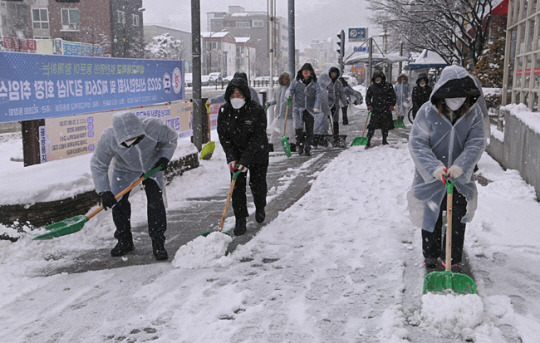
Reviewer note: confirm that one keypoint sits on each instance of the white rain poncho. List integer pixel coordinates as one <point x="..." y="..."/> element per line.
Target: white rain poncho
<point x="435" y="142"/>
<point x="280" y="112"/>
<point x="321" y="124"/>
<point x="305" y="98"/>
<point x="129" y="163"/>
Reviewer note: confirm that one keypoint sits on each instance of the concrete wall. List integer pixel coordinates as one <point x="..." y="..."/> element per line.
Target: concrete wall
<point x="520" y="150"/>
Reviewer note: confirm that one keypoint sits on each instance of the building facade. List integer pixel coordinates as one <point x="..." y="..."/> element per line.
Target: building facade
<point x="246" y="53"/>
<point x="241" y="23"/>
<point x="116" y="26"/>
<point x="218" y="53"/>
<point x="521" y="83"/>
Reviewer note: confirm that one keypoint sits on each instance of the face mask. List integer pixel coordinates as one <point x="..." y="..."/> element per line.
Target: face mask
<point x="237" y="103"/>
<point x="454" y="103"/>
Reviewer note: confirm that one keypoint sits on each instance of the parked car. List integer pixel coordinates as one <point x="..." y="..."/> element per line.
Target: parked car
<point x="205" y="80"/>
<point x="188" y="79"/>
<point x="215" y="77"/>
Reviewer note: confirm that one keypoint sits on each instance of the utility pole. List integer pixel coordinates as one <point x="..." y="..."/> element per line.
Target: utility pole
<point x="292" y="58"/>
<point x="271" y="19"/>
<point x="196" y="52"/>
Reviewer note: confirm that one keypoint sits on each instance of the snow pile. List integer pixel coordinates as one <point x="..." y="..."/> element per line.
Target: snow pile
<point x="202" y="251"/>
<point x="452" y="315"/>
<point x="523" y="113"/>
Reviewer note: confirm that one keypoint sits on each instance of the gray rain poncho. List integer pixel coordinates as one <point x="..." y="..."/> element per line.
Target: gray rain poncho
<point x="435" y="142"/>
<point x="129" y="163"/>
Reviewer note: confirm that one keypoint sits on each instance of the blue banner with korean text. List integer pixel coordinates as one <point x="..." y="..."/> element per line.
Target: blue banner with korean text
<point x="45" y="86"/>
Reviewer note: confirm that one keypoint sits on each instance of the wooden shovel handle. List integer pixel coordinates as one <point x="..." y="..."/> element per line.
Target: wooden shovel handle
<point x="286" y="116"/>
<point x="129" y="188"/>
<point x="365" y="125"/>
<point x="231" y="188"/>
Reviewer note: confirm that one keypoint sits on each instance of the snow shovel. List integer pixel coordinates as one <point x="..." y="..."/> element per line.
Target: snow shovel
<point x="448" y="281"/>
<point x="226" y="209"/>
<point x="75" y="224"/>
<point x="208" y="148"/>
<point x="285" y="140"/>
<point x="362" y="140"/>
<point x="398" y="123"/>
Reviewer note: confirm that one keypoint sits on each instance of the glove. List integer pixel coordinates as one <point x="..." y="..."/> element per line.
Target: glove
<point x="369" y="108"/>
<point x="107" y="200"/>
<point x="439" y="173"/>
<point x="267" y="104"/>
<point x="454" y="172"/>
<point x="391" y="108"/>
<point x="232" y="166"/>
<point x="162" y="162"/>
<point x="242" y="168"/>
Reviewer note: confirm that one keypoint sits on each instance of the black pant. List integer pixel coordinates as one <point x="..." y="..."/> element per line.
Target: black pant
<point x="309" y="122"/>
<point x="157" y="219"/>
<point x="259" y="189"/>
<point x="433" y="244"/>
<point x="344" y="113"/>
<point x="335" y="119"/>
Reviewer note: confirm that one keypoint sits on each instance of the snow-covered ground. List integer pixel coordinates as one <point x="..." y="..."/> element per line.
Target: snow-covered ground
<point x="335" y="267"/>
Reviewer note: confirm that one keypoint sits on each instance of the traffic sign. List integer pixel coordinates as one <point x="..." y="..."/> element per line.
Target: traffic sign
<point x="357" y="34"/>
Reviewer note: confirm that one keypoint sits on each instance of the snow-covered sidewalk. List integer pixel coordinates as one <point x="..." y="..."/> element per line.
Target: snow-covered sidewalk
<point x="334" y="267"/>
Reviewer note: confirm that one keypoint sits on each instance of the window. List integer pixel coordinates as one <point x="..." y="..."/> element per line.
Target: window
<point x="135" y="19"/>
<point x="40" y="18"/>
<point x="70" y="19"/>
<point x="121" y="15"/>
<point x="258" y="23"/>
<point x="243" y="24"/>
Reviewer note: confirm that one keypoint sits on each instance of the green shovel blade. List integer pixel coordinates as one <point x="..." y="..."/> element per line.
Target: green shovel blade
<point x="398" y="123"/>
<point x="436" y="282"/>
<point x="64" y="227"/>
<point x="359" y="141"/>
<point x="286" y="146"/>
<point x="208" y="150"/>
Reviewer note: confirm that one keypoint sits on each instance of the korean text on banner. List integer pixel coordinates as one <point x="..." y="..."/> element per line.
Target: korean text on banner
<point x="45" y="86"/>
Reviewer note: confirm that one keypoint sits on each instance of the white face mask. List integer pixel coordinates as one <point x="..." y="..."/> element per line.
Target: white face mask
<point x="454" y="103"/>
<point x="237" y="103"/>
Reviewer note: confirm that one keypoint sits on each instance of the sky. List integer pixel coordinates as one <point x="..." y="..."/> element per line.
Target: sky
<point x="315" y="19"/>
<point x="307" y="276"/>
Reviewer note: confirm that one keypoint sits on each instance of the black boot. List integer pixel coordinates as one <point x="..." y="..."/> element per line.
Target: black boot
<point x="307" y="150"/>
<point x="293" y="147"/>
<point x="240" y="227"/>
<point x="159" y="251"/>
<point x="300" y="141"/>
<point x="260" y="215"/>
<point x="368" y="144"/>
<point x="123" y="246"/>
<point x="384" y="137"/>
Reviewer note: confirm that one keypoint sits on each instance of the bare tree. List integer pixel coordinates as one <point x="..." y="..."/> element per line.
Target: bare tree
<point x="165" y="47"/>
<point x="455" y="29"/>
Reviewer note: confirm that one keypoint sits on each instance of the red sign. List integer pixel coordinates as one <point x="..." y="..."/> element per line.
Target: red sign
<point x="20" y="44"/>
<point x="10" y="43"/>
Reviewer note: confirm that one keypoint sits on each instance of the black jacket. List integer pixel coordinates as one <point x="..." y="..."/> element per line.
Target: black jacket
<point x="420" y="95"/>
<point x="242" y="132"/>
<point x="380" y="96"/>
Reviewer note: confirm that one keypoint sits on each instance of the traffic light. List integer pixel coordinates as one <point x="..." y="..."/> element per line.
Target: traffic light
<point x="341" y="50"/>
